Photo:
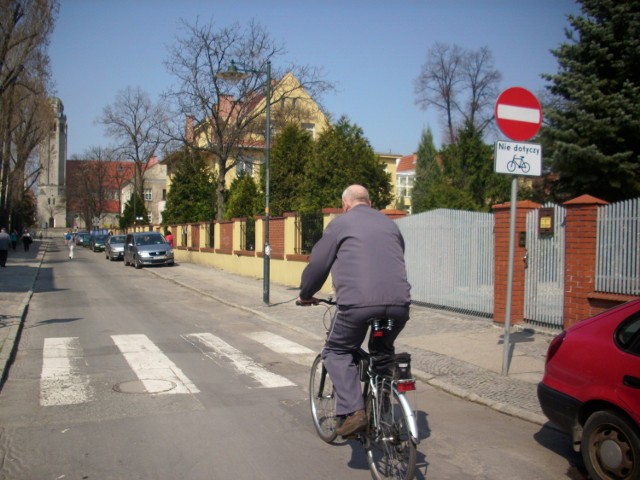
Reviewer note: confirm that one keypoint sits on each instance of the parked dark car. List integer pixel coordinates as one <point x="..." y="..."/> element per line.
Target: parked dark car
<point x="591" y="390"/>
<point x="82" y="239"/>
<point x="114" y="247"/>
<point x="97" y="242"/>
<point x="147" y="248"/>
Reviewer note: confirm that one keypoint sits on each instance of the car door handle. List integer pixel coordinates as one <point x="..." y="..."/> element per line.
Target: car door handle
<point x="629" y="381"/>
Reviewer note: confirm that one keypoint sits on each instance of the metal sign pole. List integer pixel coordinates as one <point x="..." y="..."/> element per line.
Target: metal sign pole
<point x="512" y="247"/>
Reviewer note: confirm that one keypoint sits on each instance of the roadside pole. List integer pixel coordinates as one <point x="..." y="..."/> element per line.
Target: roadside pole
<point x="519" y="116"/>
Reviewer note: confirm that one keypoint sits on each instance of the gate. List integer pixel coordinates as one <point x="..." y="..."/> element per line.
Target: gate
<point x="544" y="273"/>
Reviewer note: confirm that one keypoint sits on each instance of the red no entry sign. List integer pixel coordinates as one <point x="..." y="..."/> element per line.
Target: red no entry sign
<point x="518" y="113"/>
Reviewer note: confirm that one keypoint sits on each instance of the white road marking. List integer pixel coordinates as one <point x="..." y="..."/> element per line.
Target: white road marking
<point x="521" y="114"/>
<point x="149" y="363"/>
<point x="296" y="352"/>
<point x="240" y="361"/>
<point x="60" y="381"/>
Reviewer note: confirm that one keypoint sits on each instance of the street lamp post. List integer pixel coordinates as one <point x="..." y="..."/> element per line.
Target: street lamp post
<point x="235" y="74"/>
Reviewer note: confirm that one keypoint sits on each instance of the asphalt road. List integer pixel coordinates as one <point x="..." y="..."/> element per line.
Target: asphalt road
<point x="123" y="375"/>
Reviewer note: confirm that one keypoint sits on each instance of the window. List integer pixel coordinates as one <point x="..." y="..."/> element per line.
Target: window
<point x="311" y="128"/>
<point x="148" y="194"/>
<point x="244" y="166"/>
<point x="164" y="194"/>
<point x="628" y="335"/>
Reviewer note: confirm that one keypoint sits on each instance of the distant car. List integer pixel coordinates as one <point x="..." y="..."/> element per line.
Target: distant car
<point x="82" y="239"/>
<point x="114" y="247"/>
<point x="97" y="242"/>
<point x="147" y="248"/>
<point x="591" y="390"/>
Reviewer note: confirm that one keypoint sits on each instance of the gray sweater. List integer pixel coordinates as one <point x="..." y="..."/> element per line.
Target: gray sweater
<point x="364" y="252"/>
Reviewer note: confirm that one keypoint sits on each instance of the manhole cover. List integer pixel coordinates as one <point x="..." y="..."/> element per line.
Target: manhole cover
<point x="144" y="386"/>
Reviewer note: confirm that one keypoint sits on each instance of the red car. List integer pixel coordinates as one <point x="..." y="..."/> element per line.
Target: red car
<point x="591" y="390"/>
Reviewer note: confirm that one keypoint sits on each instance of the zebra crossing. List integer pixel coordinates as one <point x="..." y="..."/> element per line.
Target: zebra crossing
<point x="63" y="382"/>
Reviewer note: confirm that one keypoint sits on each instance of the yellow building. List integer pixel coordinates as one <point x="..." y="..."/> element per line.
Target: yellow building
<point x="290" y="103"/>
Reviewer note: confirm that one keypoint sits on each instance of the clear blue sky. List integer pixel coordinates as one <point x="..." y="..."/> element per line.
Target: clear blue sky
<point x="371" y="49"/>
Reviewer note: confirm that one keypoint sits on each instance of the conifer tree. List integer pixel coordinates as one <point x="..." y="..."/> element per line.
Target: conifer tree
<point x="192" y="197"/>
<point x="343" y="156"/>
<point x="428" y="173"/>
<point x="292" y="149"/>
<point x="592" y="142"/>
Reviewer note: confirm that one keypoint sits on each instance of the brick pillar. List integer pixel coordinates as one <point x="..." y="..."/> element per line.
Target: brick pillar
<point x="580" y="257"/>
<point x="502" y="214"/>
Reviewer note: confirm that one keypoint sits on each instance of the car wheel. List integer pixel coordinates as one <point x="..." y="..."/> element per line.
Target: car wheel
<point x="136" y="262"/>
<point x="610" y="446"/>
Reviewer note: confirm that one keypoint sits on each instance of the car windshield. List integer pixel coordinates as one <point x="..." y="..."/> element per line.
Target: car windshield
<point x="101" y="237"/>
<point x="150" y="240"/>
<point x="117" y="239"/>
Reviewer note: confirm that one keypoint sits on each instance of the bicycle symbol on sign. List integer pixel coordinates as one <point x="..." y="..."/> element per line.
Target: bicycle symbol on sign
<point x="518" y="162"/>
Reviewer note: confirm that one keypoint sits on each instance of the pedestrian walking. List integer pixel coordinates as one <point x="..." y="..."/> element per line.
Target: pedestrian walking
<point x="14" y="239"/>
<point x="69" y="241"/>
<point x="168" y="237"/>
<point x="26" y="239"/>
<point x="5" y="241"/>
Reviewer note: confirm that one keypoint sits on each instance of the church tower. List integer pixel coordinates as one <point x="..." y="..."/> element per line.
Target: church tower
<point x="52" y="208"/>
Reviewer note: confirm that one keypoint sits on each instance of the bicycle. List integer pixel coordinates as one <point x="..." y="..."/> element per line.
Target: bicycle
<point x="518" y="162"/>
<point x="391" y="436"/>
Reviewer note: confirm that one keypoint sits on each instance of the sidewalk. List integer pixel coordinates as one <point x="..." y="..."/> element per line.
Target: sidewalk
<point x="458" y="353"/>
<point x="16" y="287"/>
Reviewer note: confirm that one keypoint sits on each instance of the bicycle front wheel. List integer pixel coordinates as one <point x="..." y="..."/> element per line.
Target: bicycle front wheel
<point x="391" y="451"/>
<point x="322" y="401"/>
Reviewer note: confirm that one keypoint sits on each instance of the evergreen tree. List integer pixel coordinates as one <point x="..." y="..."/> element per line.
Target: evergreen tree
<point x="428" y="173"/>
<point x="593" y="139"/>
<point x="192" y="197"/>
<point x="244" y="200"/>
<point x="128" y="215"/>
<point x="291" y="151"/>
<point x="467" y="181"/>
<point x="343" y="156"/>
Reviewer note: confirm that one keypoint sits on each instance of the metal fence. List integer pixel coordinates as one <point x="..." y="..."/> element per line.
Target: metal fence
<point x="617" y="248"/>
<point x="544" y="273"/>
<point x="310" y="227"/>
<point x="449" y="257"/>
<point x="248" y="235"/>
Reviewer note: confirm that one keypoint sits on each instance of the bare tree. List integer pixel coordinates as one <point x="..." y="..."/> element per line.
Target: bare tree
<point x="25" y="27"/>
<point x="139" y="127"/>
<point x="90" y="183"/>
<point x="227" y="116"/>
<point x="462" y="84"/>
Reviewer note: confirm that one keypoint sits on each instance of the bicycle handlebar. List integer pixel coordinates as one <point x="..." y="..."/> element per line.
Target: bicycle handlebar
<point x="316" y="301"/>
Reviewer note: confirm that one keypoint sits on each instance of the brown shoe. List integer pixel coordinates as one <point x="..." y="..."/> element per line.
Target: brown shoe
<point x="354" y="423"/>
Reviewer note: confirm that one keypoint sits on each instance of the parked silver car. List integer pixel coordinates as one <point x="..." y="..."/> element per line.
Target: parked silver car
<point x="114" y="247"/>
<point x="147" y="248"/>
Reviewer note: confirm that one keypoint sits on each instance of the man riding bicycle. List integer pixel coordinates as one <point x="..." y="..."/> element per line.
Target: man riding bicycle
<point x="364" y="252"/>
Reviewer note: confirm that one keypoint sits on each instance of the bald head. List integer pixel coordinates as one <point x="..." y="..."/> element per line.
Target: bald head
<point x="355" y="195"/>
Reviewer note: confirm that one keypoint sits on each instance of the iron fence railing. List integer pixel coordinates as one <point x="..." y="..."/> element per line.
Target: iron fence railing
<point x="618" y="248"/>
<point x="309" y="227"/>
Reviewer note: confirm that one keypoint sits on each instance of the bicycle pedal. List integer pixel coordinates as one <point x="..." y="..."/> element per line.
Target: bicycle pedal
<point x="353" y="436"/>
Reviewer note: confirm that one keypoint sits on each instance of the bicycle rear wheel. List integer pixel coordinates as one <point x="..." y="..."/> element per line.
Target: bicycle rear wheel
<point x="391" y="451"/>
<point x="322" y="401"/>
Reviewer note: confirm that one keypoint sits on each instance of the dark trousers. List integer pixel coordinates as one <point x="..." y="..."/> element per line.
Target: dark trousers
<point x="3" y="257"/>
<point x="347" y="333"/>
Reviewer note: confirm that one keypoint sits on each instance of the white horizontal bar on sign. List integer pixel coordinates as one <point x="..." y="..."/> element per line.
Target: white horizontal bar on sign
<point x="150" y="364"/>
<point x="240" y="361"/>
<point x="60" y="381"/>
<point x="520" y="114"/>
